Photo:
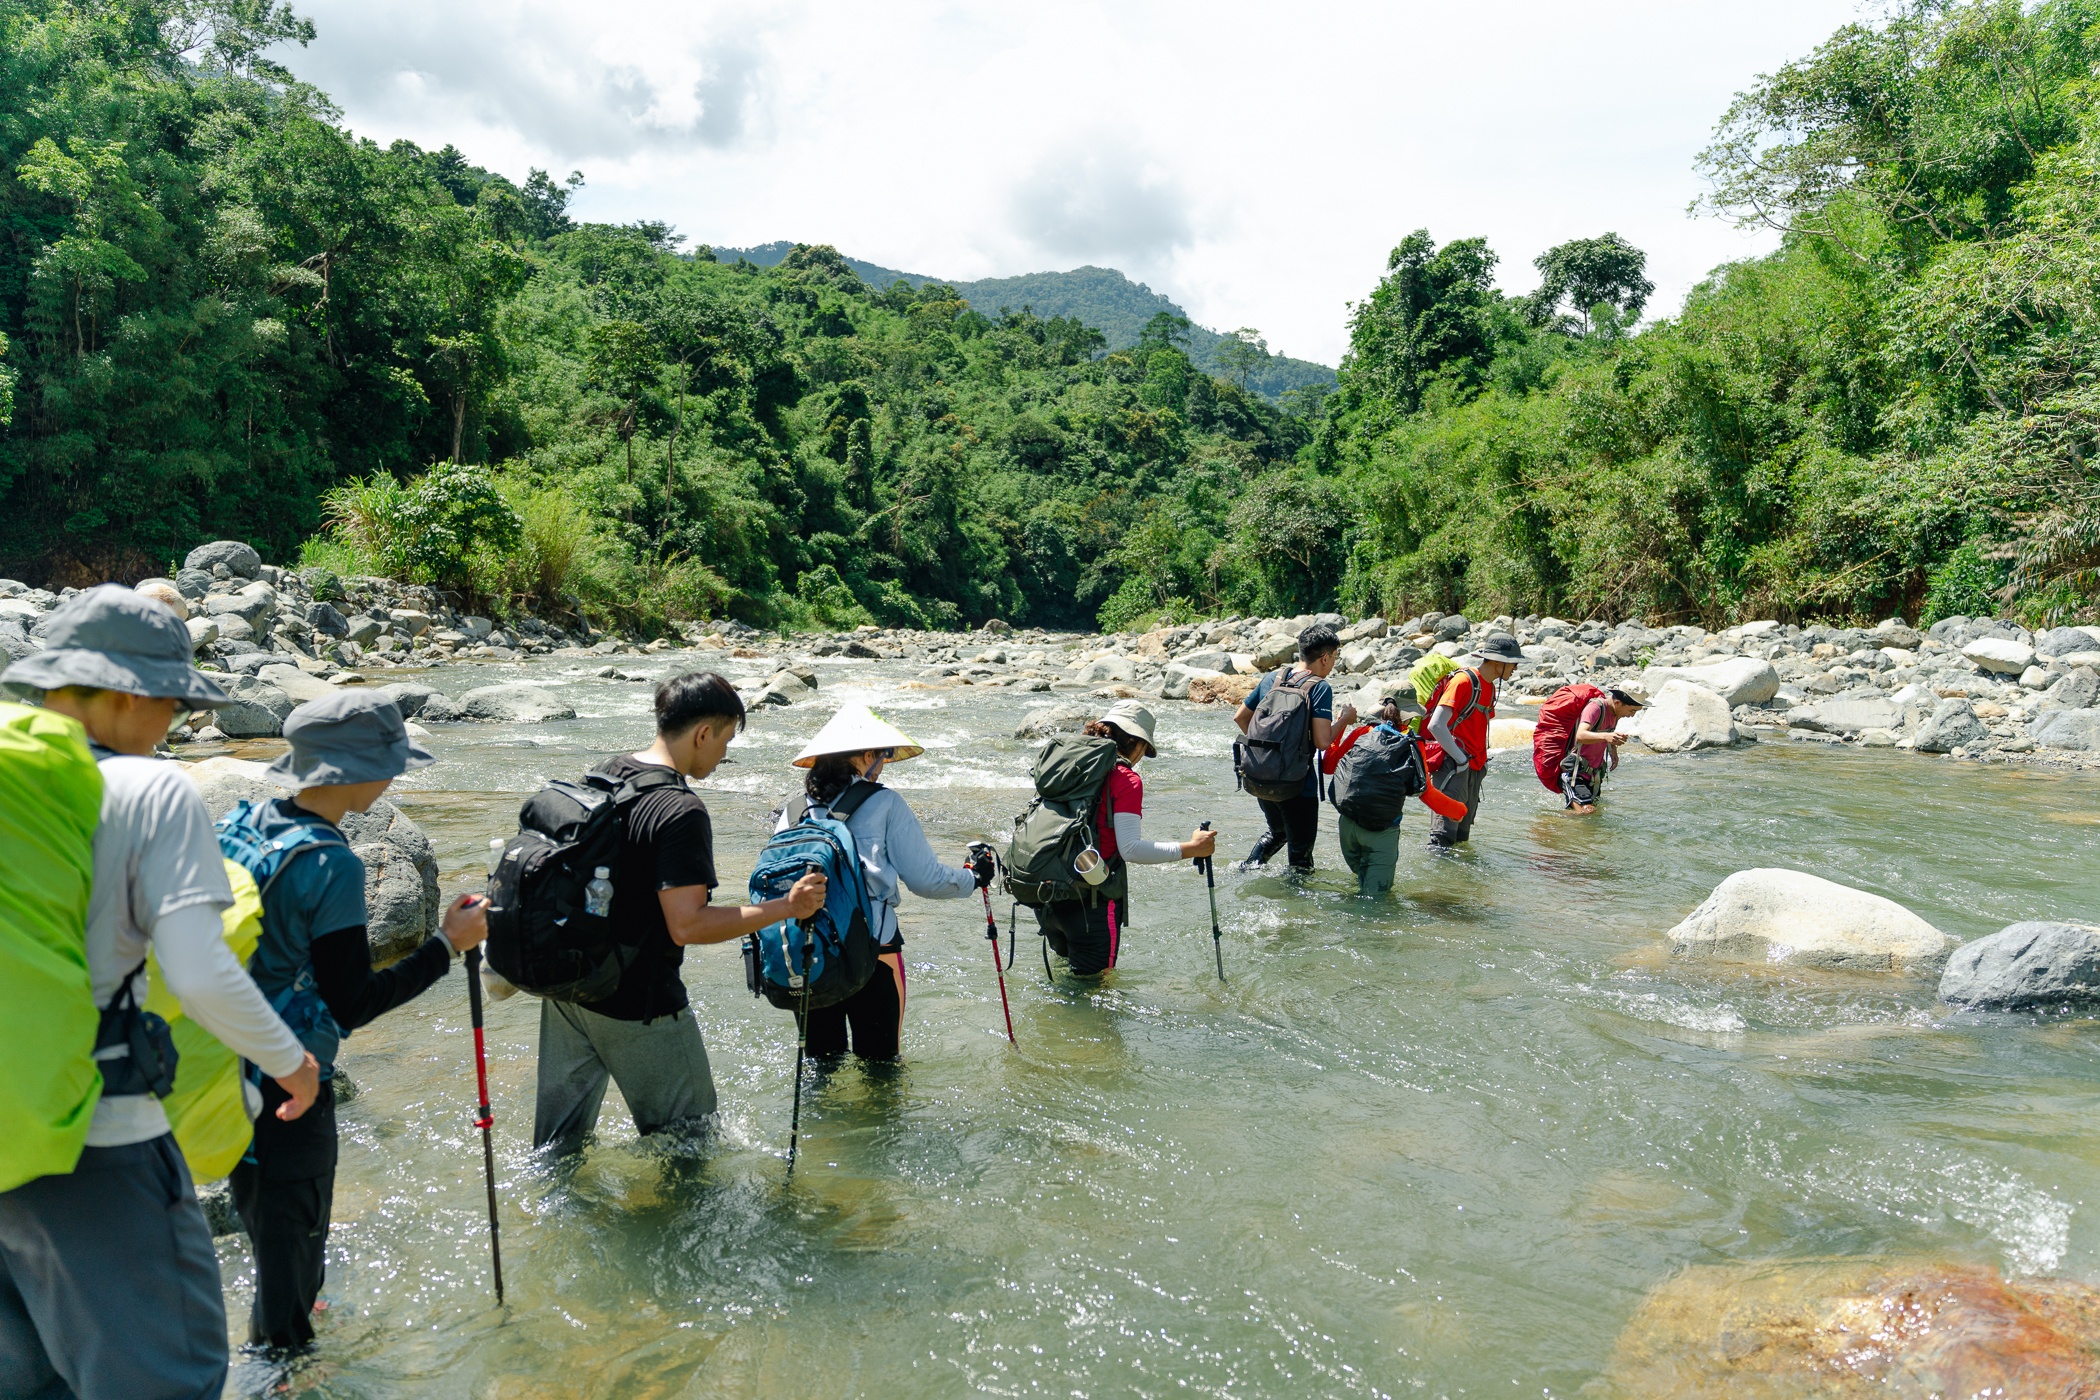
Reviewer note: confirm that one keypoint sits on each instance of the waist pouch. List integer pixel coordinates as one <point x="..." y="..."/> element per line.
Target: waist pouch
<point x="149" y="1068"/>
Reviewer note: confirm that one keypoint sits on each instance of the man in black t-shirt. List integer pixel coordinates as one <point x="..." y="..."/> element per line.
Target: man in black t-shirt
<point x="643" y="1037"/>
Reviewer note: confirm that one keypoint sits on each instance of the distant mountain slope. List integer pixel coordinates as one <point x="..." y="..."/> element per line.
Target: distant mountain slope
<point x="1100" y="296"/>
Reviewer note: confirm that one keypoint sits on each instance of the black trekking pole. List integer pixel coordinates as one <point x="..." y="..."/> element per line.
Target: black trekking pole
<point x="991" y="931"/>
<point x="1210" y="883"/>
<point x="487" y="1119"/>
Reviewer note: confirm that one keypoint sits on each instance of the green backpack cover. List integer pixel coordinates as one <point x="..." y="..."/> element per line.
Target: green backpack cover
<point x="1053" y="829"/>
<point x="50" y="803"/>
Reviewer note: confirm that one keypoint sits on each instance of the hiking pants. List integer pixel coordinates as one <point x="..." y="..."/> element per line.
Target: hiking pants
<point x="660" y="1066"/>
<point x="1456" y="780"/>
<point x="1371" y="854"/>
<point x="1083" y="933"/>
<point x="109" y="1286"/>
<point x="874" y="1015"/>
<point x="283" y="1190"/>
<point x="1294" y="824"/>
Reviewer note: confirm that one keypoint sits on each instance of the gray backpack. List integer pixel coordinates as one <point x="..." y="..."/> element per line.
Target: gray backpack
<point x="1070" y="774"/>
<point x="1274" y="755"/>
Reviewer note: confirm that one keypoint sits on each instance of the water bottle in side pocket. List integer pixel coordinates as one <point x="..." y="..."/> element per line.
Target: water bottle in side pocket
<point x="597" y="895"/>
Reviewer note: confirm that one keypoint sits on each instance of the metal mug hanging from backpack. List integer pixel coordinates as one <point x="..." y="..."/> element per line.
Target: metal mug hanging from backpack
<point x="1089" y="866"/>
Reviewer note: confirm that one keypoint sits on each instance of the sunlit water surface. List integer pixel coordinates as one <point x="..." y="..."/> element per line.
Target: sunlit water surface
<point x="1438" y="1144"/>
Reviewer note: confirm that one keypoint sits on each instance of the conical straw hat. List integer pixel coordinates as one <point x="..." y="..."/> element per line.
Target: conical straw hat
<point x="856" y="729"/>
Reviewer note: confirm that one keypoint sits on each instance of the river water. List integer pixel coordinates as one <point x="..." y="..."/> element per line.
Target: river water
<point x="1439" y="1144"/>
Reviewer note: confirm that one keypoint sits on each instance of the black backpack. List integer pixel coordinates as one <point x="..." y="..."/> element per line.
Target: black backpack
<point x="1274" y="755"/>
<point x="1051" y="831"/>
<point x="1377" y="775"/>
<point x="541" y="938"/>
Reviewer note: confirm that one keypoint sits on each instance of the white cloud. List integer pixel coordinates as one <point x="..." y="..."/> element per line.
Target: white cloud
<point x="1254" y="162"/>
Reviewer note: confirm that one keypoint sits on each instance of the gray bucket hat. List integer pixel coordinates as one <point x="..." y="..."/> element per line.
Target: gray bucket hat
<point x="111" y="638"/>
<point x="1500" y="647"/>
<point x="354" y="736"/>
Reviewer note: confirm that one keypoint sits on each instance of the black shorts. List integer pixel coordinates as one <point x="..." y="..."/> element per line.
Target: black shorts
<point x="1087" y="934"/>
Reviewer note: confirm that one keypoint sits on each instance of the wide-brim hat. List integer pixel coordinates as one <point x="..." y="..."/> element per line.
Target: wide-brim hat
<point x="1500" y="647"/>
<point x="111" y="638"/>
<point x="353" y="736"/>
<point x="1135" y="720"/>
<point x="856" y="729"/>
<point x="1633" y="692"/>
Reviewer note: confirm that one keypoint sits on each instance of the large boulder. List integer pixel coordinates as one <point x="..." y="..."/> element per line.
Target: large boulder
<point x="323" y="618"/>
<point x="2001" y="656"/>
<point x="402" y="903"/>
<point x="1682" y="717"/>
<point x="1230" y="690"/>
<point x="203" y="632"/>
<point x="2063" y="641"/>
<point x="420" y="701"/>
<point x="1106" y="670"/>
<point x="1849" y="717"/>
<point x="1179" y="677"/>
<point x="1208" y="659"/>
<point x="240" y="560"/>
<point x="257" y="710"/>
<point x="2068" y="729"/>
<point x="1803" y="920"/>
<point x="515" y="703"/>
<point x="294" y="682"/>
<point x="1046" y="720"/>
<point x="2025" y="965"/>
<point x="1739" y="680"/>
<point x="255" y="605"/>
<point x="1951" y="724"/>
<point x="2077" y="689"/>
<point x="1274" y="650"/>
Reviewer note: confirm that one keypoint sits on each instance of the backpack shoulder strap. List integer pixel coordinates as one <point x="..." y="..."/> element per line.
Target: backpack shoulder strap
<point x="850" y="801"/>
<point x="649" y="780"/>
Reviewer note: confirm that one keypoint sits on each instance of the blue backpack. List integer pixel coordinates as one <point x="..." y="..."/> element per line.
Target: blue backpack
<point x="807" y="964"/>
<point x="265" y="858"/>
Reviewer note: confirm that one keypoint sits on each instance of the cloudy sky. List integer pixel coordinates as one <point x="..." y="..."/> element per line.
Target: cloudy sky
<point x="1255" y="162"/>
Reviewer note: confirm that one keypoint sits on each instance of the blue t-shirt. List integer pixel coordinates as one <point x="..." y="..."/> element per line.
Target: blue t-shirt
<point x="320" y="892"/>
<point x="1321" y="697"/>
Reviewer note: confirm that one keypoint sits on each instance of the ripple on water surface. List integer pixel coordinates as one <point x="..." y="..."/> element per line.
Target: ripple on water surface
<point x="1436" y="1143"/>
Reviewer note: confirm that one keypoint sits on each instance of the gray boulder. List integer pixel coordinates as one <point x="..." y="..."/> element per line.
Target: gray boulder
<point x="1046" y="720"/>
<point x="1953" y="723"/>
<point x="2025" y="965"/>
<point x="402" y="902"/>
<point x="514" y="704"/>
<point x="2068" y="729"/>
<point x="2075" y="690"/>
<point x="1451" y="627"/>
<point x="1208" y="659"/>
<point x="2062" y="641"/>
<point x="364" y="629"/>
<point x="1848" y="717"/>
<point x="240" y="560"/>
<point x="1175" y="685"/>
<point x="15" y="641"/>
<point x="412" y="697"/>
<point x="1789" y="916"/>
<point x="324" y="618"/>
<point x="1107" y="670"/>
<point x="257" y="711"/>
<point x="254" y="605"/>
<point x="193" y="583"/>
<point x="294" y="682"/>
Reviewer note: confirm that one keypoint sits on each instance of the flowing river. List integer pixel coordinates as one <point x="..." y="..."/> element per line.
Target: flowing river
<point x="1439" y="1144"/>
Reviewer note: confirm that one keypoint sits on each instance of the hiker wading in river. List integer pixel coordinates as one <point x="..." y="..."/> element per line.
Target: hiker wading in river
<point x="845" y="762"/>
<point x="1464" y="706"/>
<point x="1594" y="750"/>
<point x="1293" y="818"/>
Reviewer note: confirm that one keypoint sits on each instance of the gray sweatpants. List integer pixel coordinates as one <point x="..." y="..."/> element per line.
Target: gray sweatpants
<point x="109" y="1286"/>
<point x="660" y="1066"/>
<point x="1456" y="780"/>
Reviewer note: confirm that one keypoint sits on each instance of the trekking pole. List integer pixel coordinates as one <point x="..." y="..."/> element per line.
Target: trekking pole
<point x="801" y="1045"/>
<point x="991" y="931"/>
<point x="1210" y="883"/>
<point x="487" y="1119"/>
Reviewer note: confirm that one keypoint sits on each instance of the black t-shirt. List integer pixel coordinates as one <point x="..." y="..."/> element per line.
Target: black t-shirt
<point x="670" y="843"/>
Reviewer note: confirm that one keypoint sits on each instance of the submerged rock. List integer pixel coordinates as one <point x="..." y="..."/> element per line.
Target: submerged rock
<point x="1803" y="920"/>
<point x="1840" y="1328"/>
<point x="515" y="704"/>
<point x="1681" y="717"/>
<point x="2026" y="965"/>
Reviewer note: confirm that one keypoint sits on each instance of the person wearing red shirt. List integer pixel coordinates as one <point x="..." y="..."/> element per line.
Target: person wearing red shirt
<point x="1459" y="724"/>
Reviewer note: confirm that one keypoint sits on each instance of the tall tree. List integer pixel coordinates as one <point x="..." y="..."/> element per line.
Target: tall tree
<point x="1587" y="273"/>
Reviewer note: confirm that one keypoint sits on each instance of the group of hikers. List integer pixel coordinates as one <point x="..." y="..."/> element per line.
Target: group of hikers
<point x="176" y="990"/>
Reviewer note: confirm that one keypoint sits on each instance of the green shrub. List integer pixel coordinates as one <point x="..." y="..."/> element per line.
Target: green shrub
<point x="426" y="529"/>
<point x="1966" y="585"/>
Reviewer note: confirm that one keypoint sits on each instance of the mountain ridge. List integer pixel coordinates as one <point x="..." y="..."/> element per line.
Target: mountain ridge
<point x="1102" y="297"/>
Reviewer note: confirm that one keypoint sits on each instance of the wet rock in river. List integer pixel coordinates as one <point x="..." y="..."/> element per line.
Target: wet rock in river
<point x="1803" y="920"/>
<point x="1682" y="717"/>
<point x="515" y="704"/>
<point x="1740" y="680"/>
<point x="2024" y="965"/>
<point x="1790" y="1330"/>
<point x="1046" y="720"/>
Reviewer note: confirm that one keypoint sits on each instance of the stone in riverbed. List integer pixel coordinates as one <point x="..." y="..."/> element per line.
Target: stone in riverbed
<point x="2067" y="729"/>
<point x="294" y="682"/>
<point x="257" y="711"/>
<point x="514" y="703"/>
<point x="1180" y="676"/>
<point x="1739" y="680"/>
<point x="1682" y="717"/>
<point x="1849" y="717"/>
<point x="1046" y="720"/>
<point x="1208" y="659"/>
<point x="1999" y="655"/>
<point x="1953" y="723"/>
<point x="2026" y="965"/>
<point x="240" y="559"/>
<point x="422" y="702"/>
<point x="1107" y="670"/>
<point x="1803" y="920"/>
<point x="1230" y="690"/>
<point x="1847" y="1329"/>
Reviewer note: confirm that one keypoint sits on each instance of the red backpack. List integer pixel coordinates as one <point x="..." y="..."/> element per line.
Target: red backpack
<point x="1558" y="719"/>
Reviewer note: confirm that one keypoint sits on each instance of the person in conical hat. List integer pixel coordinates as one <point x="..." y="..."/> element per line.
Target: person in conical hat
<point x="845" y="762"/>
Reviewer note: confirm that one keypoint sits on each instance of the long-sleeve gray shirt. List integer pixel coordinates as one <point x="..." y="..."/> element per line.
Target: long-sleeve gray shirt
<point x="894" y="850"/>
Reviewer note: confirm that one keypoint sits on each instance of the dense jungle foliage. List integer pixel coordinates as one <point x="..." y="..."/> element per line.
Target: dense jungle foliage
<point x="226" y="315"/>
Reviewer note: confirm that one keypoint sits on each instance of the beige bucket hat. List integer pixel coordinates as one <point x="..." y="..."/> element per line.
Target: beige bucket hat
<point x="1133" y="719"/>
<point x="856" y="729"/>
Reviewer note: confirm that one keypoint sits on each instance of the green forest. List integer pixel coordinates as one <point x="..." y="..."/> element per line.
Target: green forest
<point x="225" y="315"/>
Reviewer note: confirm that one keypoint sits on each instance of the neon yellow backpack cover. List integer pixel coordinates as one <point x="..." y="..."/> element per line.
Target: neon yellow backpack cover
<point x="1426" y="673"/>
<point x="209" y="1109"/>
<point x="50" y="804"/>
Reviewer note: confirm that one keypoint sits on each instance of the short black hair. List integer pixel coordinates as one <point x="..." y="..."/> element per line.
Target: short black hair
<point x="684" y="701"/>
<point x="1316" y="641"/>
